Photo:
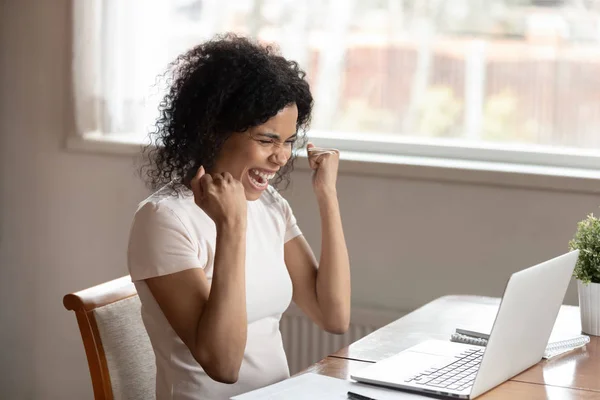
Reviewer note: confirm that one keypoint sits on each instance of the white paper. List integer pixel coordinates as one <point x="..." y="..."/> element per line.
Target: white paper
<point x="314" y="386"/>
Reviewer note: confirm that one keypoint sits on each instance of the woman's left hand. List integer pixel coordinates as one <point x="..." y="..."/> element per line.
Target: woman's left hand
<point x="325" y="169"/>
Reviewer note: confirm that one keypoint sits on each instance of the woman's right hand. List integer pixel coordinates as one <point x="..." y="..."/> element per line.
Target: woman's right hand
<point x="221" y="197"/>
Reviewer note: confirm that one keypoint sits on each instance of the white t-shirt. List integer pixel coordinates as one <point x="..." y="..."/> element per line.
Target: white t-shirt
<point x="170" y="234"/>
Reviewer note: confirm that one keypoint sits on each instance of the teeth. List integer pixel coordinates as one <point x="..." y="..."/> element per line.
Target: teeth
<point x="264" y="175"/>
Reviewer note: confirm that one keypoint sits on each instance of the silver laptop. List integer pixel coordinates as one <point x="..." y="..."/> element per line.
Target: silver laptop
<point x="524" y="322"/>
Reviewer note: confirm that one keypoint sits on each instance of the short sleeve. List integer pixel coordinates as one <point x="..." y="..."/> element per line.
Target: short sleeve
<point x="159" y="243"/>
<point x="291" y="229"/>
<point x="291" y="225"/>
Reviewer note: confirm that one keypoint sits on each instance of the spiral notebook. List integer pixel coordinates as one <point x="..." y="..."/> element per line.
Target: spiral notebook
<point x="552" y="350"/>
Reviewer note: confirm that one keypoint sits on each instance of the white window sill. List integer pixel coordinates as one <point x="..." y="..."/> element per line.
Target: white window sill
<point x="581" y="180"/>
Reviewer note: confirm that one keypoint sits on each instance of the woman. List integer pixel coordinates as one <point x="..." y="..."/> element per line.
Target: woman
<point x="215" y="253"/>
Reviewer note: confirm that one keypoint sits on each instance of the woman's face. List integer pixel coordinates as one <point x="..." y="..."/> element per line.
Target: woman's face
<point x="253" y="157"/>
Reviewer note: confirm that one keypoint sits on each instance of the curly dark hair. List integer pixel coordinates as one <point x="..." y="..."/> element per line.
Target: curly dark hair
<point x="225" y="85"/>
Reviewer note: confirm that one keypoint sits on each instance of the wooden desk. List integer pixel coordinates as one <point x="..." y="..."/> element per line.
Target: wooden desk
<point x="574" y="375"/>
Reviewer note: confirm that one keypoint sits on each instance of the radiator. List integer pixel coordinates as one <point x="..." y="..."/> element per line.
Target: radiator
<point x="305" y="343"/>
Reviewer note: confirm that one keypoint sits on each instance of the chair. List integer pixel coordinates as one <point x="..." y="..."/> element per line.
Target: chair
<point x="118" y="350"/>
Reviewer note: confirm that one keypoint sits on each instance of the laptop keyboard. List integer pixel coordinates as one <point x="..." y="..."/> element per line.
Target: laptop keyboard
<point x="457" y="375"/>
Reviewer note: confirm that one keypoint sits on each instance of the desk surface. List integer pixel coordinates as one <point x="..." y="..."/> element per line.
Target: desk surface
<point x="574" y="375"/>
<point x="342" y="368"/>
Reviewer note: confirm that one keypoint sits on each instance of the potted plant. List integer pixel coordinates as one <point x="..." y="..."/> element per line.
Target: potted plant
<point x="587" y="273"/>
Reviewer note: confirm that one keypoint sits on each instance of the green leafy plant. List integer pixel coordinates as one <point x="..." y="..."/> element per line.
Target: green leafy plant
<point x="587" y="240"/>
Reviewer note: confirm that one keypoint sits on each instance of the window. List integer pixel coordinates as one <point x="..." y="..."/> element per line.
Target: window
<point x="491" y="80"/>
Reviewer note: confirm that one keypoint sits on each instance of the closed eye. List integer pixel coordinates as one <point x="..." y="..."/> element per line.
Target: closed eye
<point x="271" y="139"/>
<point x="292" y="139"/>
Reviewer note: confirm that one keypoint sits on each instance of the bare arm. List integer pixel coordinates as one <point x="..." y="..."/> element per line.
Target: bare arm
<point x="333" y="278"/>
<point x="323" y="292"/>
<point x="211" y="321"/>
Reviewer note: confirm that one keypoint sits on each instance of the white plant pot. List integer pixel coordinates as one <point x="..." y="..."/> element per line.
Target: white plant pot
<point x="589" y="307"/>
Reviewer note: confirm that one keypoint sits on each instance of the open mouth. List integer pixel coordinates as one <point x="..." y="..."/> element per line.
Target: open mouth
<point x="260" y="179"/>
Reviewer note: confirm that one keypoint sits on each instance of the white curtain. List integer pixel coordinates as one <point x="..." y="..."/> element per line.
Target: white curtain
<point x="119" y="47"/>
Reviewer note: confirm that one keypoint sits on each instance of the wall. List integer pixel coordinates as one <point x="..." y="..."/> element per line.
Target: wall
<point x="65" y="217"/>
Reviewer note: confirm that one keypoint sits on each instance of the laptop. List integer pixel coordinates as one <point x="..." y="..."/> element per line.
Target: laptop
<point x="527" y="313"/>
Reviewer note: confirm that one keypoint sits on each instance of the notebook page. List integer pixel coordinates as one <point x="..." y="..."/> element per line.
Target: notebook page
<point x="314" y="386"/>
